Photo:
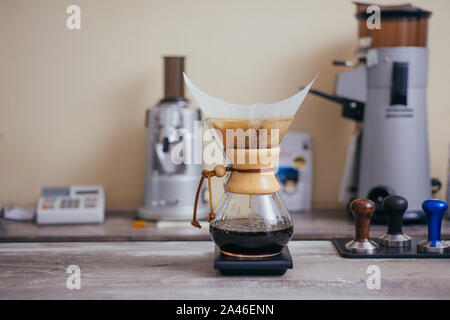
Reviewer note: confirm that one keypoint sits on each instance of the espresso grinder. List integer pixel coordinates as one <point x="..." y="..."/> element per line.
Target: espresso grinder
<point x="171" y="128"/>
<point x="250" y="225"/>
<point x="386" y="92"/>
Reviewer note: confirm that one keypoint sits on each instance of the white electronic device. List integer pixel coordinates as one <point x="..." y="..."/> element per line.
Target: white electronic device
<point x="71" y="205"/>
<point x="295" y="171"/>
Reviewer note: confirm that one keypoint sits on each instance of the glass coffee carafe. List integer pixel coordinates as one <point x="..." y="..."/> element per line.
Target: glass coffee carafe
<point x="250" y="219"/>
<point x="251" y="224"/>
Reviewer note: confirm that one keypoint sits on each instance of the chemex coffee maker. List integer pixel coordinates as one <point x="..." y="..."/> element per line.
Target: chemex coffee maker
<point x="251" y="225"/>
<point x="386" y="90"/>
<point x="168" y="183"/>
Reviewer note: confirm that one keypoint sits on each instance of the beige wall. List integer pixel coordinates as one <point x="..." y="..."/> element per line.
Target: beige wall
<point x="72" y="103"/>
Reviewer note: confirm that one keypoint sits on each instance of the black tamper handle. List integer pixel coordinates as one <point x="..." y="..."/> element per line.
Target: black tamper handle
<point x="395" y="207"/>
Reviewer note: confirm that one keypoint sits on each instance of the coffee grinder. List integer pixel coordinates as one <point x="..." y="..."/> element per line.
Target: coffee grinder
<point x="386" y="91"/>
<point x="168" y="185"/>
<point x="251" y="225"/>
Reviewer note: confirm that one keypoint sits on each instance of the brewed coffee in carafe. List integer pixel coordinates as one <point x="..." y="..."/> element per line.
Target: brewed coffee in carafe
<point x="251" y="219"/>
<point x="251" y="224"/>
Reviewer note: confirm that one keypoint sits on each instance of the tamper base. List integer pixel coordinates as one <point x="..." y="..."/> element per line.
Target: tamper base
<point x="426" y="246"/>
<point x="366" y="247"/>
<point x="395" y="240"/>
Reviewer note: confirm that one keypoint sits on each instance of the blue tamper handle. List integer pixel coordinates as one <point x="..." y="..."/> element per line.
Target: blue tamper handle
<point x="434" y="210"/>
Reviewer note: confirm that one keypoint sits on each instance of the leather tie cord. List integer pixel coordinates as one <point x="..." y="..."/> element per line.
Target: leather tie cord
<point x="218" y="171"/>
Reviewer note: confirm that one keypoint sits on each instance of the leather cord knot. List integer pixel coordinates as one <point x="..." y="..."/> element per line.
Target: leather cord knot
<point x="219" y="171"/>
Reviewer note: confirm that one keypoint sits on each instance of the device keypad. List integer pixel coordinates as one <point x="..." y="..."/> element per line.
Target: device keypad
<point x="70" y="203"/>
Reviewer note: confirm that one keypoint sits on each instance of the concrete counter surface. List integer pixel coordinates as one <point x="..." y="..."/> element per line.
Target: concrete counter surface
<point x="184" y="270"/>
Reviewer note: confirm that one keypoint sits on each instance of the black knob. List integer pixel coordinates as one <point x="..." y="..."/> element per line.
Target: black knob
<point x="377" y="195"/>
<point x="394" y="207"/>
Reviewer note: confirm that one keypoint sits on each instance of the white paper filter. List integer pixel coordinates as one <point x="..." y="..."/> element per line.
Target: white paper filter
<point x="220" y="109"/>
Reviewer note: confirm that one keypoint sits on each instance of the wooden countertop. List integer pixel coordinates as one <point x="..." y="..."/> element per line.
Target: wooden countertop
<point x="118" y="226"/>
<point x="184" y="270"/>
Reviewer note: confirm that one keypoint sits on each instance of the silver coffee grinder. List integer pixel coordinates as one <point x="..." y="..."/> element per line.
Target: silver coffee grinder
<point x="169" y="187"/>
<point x="386" y="92"/>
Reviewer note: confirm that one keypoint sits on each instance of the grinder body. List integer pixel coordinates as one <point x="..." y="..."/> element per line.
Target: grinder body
<point x="385" y="91"/>
<point x="394" y="150"/>
<point x="172" y="172"/>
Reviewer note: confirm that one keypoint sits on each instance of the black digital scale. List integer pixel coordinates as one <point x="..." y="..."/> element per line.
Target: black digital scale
<point x="275" y="265"/>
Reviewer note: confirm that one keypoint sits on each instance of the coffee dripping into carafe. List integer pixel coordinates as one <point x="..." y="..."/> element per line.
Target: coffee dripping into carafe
<point x="250" y="220"/>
